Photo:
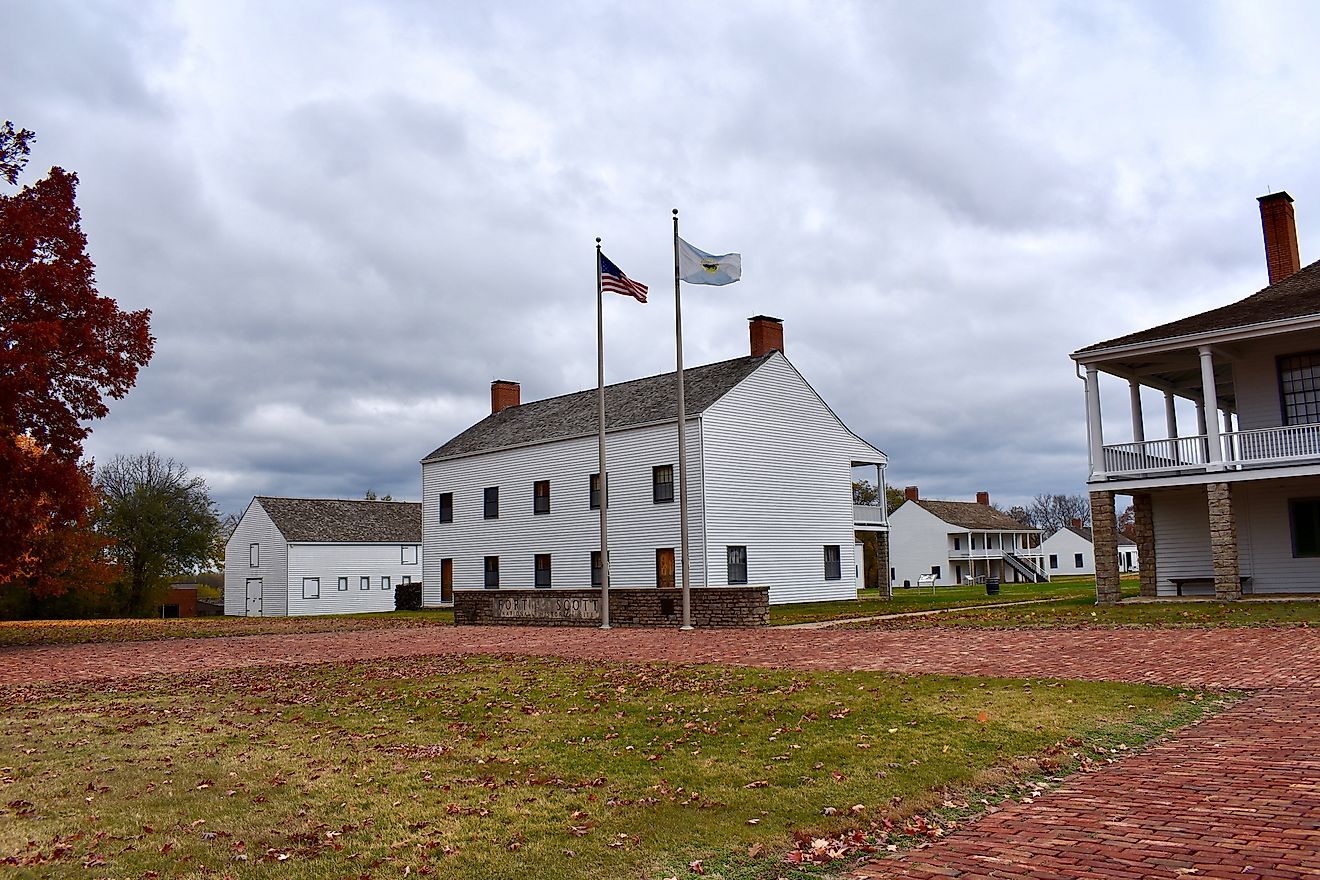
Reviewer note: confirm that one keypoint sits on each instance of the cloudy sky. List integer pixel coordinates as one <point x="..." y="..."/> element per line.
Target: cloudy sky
<point x="348" y="218"/>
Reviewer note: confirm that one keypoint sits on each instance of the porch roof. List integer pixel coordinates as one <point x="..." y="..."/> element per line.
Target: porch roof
<point x="1297" y="296"/>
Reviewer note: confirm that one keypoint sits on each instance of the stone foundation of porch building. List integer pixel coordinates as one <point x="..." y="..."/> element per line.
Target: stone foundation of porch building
<point x="1143" y="518"/>
<point x="1104" y="536"/>
<point x="1223" y="541"/>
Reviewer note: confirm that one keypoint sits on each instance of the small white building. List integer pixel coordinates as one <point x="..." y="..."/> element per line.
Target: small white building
<point x="959" y="542"/>
<point x="1071" y="550"/>
<point x="298" y="556"/>
<point x="513" y="501"/>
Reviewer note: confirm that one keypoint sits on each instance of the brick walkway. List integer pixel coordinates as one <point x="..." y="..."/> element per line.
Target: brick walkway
<point x="1236" y="796"/>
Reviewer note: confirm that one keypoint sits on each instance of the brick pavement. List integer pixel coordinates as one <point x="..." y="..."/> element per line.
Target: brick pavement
<point x="1238" y="795"/>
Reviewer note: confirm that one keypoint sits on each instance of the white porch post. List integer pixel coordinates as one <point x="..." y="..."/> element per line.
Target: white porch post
<point x="1138" y="423"/>
<point x="1094" y="431"/>
<point x="1170" y="416"/>
<point x="1215" y="457"/>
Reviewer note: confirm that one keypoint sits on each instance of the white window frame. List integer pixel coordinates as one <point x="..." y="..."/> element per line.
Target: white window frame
<point x="364" y="583"/>
<point x="343" y="585"/>
<point x="254" y="555"/>
<point x="385" y="582"/>
<point x="315" y="586"/>
<point x="406" y="557"/>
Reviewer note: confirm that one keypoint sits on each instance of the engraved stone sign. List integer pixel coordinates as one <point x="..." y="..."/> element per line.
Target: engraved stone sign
<point x="547" y="607"/>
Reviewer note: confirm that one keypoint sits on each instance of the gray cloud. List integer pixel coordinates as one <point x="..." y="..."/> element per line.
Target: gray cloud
<point x="348" y="222"/>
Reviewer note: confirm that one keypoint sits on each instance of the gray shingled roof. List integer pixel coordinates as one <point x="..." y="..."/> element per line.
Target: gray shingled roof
<point x="325" y="520"/>
<point x="1297" y="296"/>
<point x="627" y="404"/>
<point x="970" y="515"/>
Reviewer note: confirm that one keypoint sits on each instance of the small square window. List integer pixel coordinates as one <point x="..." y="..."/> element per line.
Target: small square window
<point x="446" y="507"/>
<point x="254" y="555"/>
<point x="541" y="496"/>
<point x="492" y="569"/>
<point x="833" y="567"/>
<point x="311" y="588"/>
<point x="364" y="583"/>
<point x="343" y="585"/>
<point x="935" y="570"/>
<point x="385" y="583"/>
<point x="406" y="580"/>
<point x="595" y="568"/>
<point x="408" y="554"/>
<point x="593" y="492"/>
<point x="662" y="483"/>
<point x="736" y="559"/>
<point x="1054" y="560"/>
<point x="1077" y="560"/>
<point x="541" y="567"/>
<point x="491" y="503"/>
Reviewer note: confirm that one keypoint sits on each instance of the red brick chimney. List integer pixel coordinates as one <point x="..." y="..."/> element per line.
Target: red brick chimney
<point x="1077" y="524"/>
<point x="767" y="335"/>
<point x="1276" y="220"/>
<point x="911" y="494"/>
<point x="983" y="498"/>
<point x="504" y="394"/>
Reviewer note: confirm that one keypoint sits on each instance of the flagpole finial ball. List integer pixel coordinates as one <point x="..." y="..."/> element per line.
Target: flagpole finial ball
<point x="676" y="212"/>
<point x="598" y="239"/>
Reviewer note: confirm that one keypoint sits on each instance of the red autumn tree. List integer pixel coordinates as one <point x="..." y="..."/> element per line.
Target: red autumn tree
<point x="64" y="348"/>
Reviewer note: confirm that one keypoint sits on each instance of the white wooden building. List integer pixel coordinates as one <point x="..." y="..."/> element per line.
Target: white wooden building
<point x="297" y="556"/>
<point x="511" y="501"/>
<point x="1229" y="496"/>
<point x="1071" y="550"/>
<point x="960" y="542"/>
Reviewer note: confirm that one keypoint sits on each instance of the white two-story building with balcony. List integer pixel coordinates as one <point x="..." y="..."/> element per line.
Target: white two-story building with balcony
<point x="1230" y="503"/>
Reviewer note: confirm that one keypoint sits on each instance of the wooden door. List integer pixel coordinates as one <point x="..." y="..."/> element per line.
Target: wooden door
<point x="254" y="591"/>
<point x="446" y="580"/>
<point x="664" y="568"/>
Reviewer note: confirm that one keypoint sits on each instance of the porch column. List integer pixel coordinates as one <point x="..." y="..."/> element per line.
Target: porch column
<point x="1223" y="541"/>
<point x="1138" y="422"/>
<point x="1143" y="516"/>
<point x="1215" y="450"/>
<point x="1104" y="534"/>
<point x="1093" y="429"/>
<point x="1170" y="416"/>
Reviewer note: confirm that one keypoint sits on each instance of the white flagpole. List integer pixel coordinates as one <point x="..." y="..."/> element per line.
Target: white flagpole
<point x="600" y="442"/>
<point x="682" y="438"/>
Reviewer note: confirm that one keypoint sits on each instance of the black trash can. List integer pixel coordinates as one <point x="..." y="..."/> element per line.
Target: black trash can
<point x="992" y="586"/>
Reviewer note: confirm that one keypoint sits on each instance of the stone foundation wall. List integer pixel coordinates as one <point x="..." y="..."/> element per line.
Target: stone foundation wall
<point x="1223" y="541"/>
<point x="712" y="607"/>
<point x="1104" y="533"/>
<point x="1143" y="520"/>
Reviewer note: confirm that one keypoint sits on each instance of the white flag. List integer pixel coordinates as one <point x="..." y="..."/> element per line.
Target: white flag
<point x="698" y="267"/>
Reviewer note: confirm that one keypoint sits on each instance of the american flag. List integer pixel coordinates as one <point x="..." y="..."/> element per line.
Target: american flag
<point x="613" y="280"/>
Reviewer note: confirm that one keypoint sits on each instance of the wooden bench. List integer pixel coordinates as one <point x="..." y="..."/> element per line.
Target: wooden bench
<point x="1201" y="581"/>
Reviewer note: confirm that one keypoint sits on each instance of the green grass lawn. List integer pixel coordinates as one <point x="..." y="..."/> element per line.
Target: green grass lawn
<point x="56" y="632"/>
<point x="454" y="767"/>
<point x="870" y="602"/>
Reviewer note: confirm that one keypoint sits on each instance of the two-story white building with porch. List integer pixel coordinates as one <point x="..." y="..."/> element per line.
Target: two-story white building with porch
<point x="512" y="502"/>
<point x="946" y="543"/>
<point x="1230" y="504"/>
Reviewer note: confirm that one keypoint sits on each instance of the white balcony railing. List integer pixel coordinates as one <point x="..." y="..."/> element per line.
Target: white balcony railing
<point x="1258" y="447"/>
<point x="869" y="514"/>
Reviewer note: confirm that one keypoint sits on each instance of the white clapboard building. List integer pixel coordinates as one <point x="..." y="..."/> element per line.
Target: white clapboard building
<point x="959" y="542"/>
<point x="296" y="556"/>
<point x="512" y="501"/>
<point x="1226" y="485"/>
<point x="1071" y="550"/>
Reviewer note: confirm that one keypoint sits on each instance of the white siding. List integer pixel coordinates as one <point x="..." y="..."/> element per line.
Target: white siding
<point x="918" y="540"/>
<point x="571" y="531"/>
<point x="256" y="527"/>
<point x="1256" y="377"/>
<point x="779" y="481"/>
<point x="1265" y="536"/>
<point x="1182" y="535"/>
<point x="1066" y="545"/>
<point x="329" y="562"/>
